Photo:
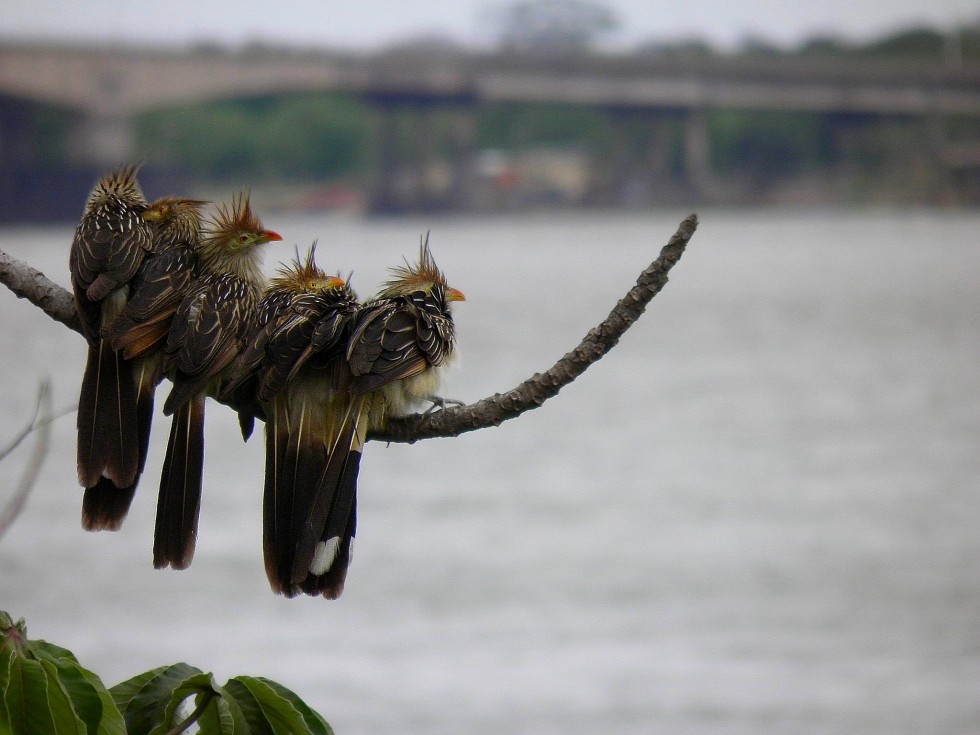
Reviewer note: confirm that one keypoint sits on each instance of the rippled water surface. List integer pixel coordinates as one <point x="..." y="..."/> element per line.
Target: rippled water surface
<point x="758" y="514"/>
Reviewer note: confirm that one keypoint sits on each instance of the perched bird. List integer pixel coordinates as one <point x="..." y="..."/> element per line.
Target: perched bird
<point x="207" y="332"/>
<point x="398" y="345"/>
<point x="110" y="243"/>
<point x="403" y="339"/>
<point x="293" y="364"/>
<point x="140" y="331"/>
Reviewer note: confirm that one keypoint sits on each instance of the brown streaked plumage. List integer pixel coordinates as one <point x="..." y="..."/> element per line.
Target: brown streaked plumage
<point x="398" y="344"/>
<point x="140" y="331"/>
<point x="207" y="333"/>
<point x="110" y="243"/>
<point x="404" y="338"/>
<point x="293" y="363"/>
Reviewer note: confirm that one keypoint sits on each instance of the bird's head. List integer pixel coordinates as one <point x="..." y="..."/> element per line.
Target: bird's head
<point x="167" y="208"/>
<point x="235" y="227"/>
<point x="120" y="185"/>
<point x="422" y="276"/>
<point x="176" y="217"/>
<point x="305" y="276"/>
<point x="232" y="237"/>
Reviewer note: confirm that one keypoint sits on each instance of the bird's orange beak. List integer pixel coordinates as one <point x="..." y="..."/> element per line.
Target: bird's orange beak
<point x="334" y="282"/>
<point x="453" y="294"/>
<point x="271" y="236"/>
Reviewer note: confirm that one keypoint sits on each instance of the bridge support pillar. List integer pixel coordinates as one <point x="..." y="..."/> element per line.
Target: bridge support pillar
<point x="697" y="155"/>
<point x="634" y="170"/>
<point x="425" y="157"/>
<point x="660" y="131"/>
<point x="463" y="151"/>
<point x="425" y="177"/>
<point x="614" y="169"/>
<point x="382" y="187"/>
<point x="943" y="185"/>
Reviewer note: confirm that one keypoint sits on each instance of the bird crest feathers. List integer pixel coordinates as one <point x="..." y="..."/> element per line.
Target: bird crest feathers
<point x="120" y="184"/>
<point x="303" y="274"/>
<point x="232" y="219"/>
<point x="420" y="276"/>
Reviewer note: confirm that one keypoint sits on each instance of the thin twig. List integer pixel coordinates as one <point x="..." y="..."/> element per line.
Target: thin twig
<point x="35" y="424"/>
<point x="42" y="422"/>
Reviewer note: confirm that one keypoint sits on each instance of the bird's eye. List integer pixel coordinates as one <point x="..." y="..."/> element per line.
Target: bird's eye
<point x="243" y="238"/>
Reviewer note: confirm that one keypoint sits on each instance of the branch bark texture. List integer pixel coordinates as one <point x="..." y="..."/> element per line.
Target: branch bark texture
<point x="28" y="283"/>
<point x="56" y="302"/>
<point x="534" y="391"/>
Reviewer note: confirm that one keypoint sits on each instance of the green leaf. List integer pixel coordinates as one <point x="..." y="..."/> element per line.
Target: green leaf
<point x="25" y="698"/>
<point x="314" y="722"/>
<point x="13" y="636"/>
<point x="36" y="703"/>
<point x="143" y="700"/>
<point x="207" y="697"/>
<point x="112" y="722"/>
<point x="74" y="696"/>
<point x="248" y="706"/>
<point x="266" y="709"/>
<point x="224" y="718"/>
<point x="91" y="699"/>
<point x="6" y="657"/>
<point x="123" y="693"/>
<point x="63" y="713"/>
<point x="43" y="649"/>
<point x="77" y="688"/>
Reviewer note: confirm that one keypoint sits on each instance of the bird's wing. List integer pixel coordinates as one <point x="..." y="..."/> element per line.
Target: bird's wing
<point x="385" y="347"/>
<point x="288" y="345"/>
<point x="107" y="250"/>
<point x="248" y="364"/>
<point x="158" y="290"/>
<point x="207" y="334"/>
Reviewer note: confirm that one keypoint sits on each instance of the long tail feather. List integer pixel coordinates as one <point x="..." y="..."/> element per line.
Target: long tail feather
<point x="310" y="496"/>
<point x="300" y="455"/>
<point x="107" y="432"/>
<point x="329" y="582"/>
<point x="326" y="531"/>
<point x="147" y="379"/>
<point x="277" y="498"/>
<point x="104" y="505"/>
<point x="179" y="503"/>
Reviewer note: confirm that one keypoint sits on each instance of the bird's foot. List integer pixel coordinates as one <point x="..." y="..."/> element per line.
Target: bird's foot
<point x="439" y="403"/>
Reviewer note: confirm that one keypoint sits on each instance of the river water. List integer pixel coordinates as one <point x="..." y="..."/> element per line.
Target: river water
<point x="758" y="514"/>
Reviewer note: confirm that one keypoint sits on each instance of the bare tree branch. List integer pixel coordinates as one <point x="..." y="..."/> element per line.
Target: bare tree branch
<point x="57" y="303"/>
<point x="28" y="283"/>
<point x="40" y="423"/>
<point x="35" y="424"/>
<point x="540" y="387"/>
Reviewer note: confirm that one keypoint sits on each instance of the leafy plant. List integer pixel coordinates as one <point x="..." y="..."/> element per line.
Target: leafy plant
<point x="43" y="689"/>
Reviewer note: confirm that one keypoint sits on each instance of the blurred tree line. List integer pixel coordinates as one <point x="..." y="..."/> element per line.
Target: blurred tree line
<point x="290" y="137"/>
<point x="329" y="136"/>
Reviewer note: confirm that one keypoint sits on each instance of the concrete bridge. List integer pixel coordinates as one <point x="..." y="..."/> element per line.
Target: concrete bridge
<point x="106" y="88"/>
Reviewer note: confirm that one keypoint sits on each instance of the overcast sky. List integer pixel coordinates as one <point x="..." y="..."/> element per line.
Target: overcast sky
<point x="373" y="23"/>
